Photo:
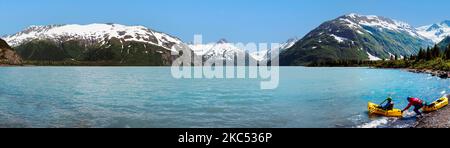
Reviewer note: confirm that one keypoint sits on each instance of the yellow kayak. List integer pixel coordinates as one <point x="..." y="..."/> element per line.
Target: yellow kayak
<point x="436" y="105"/>
<point x="375" y="110"/>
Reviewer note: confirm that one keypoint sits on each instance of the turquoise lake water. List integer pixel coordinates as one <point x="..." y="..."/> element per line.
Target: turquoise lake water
<point x="151" y="97"/>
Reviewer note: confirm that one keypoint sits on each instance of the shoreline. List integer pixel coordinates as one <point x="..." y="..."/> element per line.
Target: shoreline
<point x="434" y="73"/>
<point x="437" y="119"/>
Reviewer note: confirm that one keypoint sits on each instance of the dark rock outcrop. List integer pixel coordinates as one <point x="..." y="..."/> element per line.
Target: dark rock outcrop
<point x="7" y="55"/>
<point x="434" y="73"/>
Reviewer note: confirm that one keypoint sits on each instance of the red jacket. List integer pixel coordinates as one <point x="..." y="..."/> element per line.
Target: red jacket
<point x="413" y="101"/>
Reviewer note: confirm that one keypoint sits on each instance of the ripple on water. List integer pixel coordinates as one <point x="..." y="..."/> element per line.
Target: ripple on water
<point x="150" y="97"/>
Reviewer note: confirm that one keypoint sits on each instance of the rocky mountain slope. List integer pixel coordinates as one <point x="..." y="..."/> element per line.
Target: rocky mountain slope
<point x="7" y="55"/>
<point x="444" y="43"/>
<point x="112" y="43"/>
<point x="436" y="32"/>
<point x="221" y="51"/>
<point x="355" y="37"/>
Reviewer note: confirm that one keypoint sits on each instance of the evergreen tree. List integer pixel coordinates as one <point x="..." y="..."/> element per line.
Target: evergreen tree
<point x="436" y="52"/>
<point x="447" y="53"/>
<point x="421" y="55"/>
<point x="429" y="54"/>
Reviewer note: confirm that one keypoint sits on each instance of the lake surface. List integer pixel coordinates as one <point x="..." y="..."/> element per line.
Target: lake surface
<point x="151" y="97"/>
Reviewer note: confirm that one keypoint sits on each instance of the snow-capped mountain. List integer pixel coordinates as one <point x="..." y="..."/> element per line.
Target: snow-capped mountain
<point x="289" y="43"/>
<point x="99" y="33"/>
<point x="260" y="55"/>
<point x="355" y="37"/>
<point x="358" y="22"/>
<point x="436" y="32"/>
<point x="108" y="44"/>
<point x="264" y="55"/>
<point x="221" y="50"/>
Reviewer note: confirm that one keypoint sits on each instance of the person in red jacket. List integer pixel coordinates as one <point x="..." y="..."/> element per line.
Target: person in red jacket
<point x="417" y="103"/>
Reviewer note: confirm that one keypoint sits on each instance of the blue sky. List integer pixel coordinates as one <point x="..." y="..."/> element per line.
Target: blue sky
<point x="235" y="20"/>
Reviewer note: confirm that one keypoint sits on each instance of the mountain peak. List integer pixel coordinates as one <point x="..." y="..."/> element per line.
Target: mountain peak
<point x="446" y="22"/>
<point x="357" y="21"/>
<point x="437" y="31"/>
<point x="293" y="39"/>
<point x="222" y="41"/>
<point x="360" y="16"/>
<point x="289" y="43"/>
<point x="433" y="27"/>
<point x="352" y="15"/>
<point x="373" y="20"/>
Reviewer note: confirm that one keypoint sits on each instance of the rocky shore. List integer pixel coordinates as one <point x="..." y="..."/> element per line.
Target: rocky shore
<point x="438" y="119"/>
<point x="437" y="73"/>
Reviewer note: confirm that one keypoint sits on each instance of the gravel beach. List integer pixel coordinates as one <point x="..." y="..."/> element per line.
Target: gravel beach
<point x="438" y="119"/>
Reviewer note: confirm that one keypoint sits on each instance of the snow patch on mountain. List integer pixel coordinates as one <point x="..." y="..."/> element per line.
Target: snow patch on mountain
<point x="289" y="43"/>
<point x="372" y="57"/>
<point x="259" y="55"/>
<point x="359" y="32"/>
<point x="350" y="23"/>
<point x="99" y="33"/>
<point x="201" y="49"/>
<point x="221" y="50"/>
<point x="268" y="53"/>
<point x="436" y="32"/>
<point x="339" y="39"/>
<point x="356" y="21"/>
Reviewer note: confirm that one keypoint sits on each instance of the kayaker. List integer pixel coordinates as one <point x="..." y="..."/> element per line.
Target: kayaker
<point x="417" y="103"/>
<point x="389" y="104"/>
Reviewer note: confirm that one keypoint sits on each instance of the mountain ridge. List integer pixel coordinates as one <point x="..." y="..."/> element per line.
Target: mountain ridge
<point x="114" y="43"/>
<point x="355" y="37"/>
<point x="437" y="31"/>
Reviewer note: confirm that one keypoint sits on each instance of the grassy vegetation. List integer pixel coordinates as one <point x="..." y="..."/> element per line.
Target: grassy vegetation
<point x="427" y="59"/>
<point x="435" y="64"/>
<point x="344" y="63"/>
<point x="430" y="59"/>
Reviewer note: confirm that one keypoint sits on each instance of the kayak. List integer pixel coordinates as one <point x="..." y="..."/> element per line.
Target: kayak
<point x="436" y="105"/>
<point x="374" y="109"/>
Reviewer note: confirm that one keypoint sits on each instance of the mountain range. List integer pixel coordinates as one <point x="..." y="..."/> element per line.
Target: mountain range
<point x="436" y="32"/>
<point x="348" y="37"/>
<point x="222" y="50"/>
